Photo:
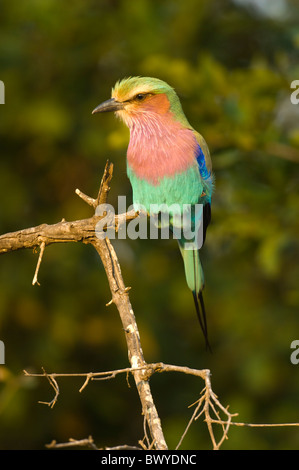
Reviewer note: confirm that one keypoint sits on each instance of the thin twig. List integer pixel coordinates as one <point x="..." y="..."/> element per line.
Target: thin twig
<point x="73" y="443"/>
<point x="89" y="200"/>
<point x="42" y="249"/>
<point x="257" y="425"/>
<point x="54" y="385"/>
<point x="187" y="427"/>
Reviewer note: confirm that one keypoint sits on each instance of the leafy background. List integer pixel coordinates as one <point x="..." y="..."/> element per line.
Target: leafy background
<point x="232" y="63"/>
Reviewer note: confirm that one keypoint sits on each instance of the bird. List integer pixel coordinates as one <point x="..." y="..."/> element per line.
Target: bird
<point x="168" y="163"/>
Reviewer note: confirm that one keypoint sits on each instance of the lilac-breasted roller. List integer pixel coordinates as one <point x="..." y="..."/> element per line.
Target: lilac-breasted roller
<point x="168" y="163"/>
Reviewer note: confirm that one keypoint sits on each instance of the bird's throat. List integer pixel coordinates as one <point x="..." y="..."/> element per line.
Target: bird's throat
<point x="159" y="146"/>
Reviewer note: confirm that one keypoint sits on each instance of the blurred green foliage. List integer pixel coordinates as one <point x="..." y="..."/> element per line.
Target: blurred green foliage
<point x="232" y="64"/>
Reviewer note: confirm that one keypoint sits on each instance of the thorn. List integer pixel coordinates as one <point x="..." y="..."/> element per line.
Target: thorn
<point x="126" y="290"/>
<point x="89" y="200"/>
<point x="42" y="249"/>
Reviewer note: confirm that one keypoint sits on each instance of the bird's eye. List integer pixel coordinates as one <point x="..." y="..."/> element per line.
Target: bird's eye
<point x="140" y="96"/>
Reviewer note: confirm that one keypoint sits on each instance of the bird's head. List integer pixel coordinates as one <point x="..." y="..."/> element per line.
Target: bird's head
<point x="134" y="97"/>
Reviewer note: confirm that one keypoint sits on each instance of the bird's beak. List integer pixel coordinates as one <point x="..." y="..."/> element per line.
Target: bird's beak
<point x="109" y="105"/>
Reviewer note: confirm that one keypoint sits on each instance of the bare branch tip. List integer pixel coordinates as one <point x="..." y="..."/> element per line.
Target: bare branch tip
<point x="42" y="249"/>
<point x="88" y="377"/>
<point x="126" y="290"/>
<point x="89" y="200"/>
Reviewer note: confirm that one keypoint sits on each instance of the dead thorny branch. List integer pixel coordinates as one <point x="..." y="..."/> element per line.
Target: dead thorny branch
<point x="208" y="400"/>
<point x="84" y="231"/>
<point x="207" y="405"/>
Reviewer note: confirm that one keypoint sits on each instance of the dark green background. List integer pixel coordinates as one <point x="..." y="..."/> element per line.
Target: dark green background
<point x="232" y="66"/>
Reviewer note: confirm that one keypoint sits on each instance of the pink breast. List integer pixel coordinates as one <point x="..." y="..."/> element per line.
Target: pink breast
<point x="159" y="146"/>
